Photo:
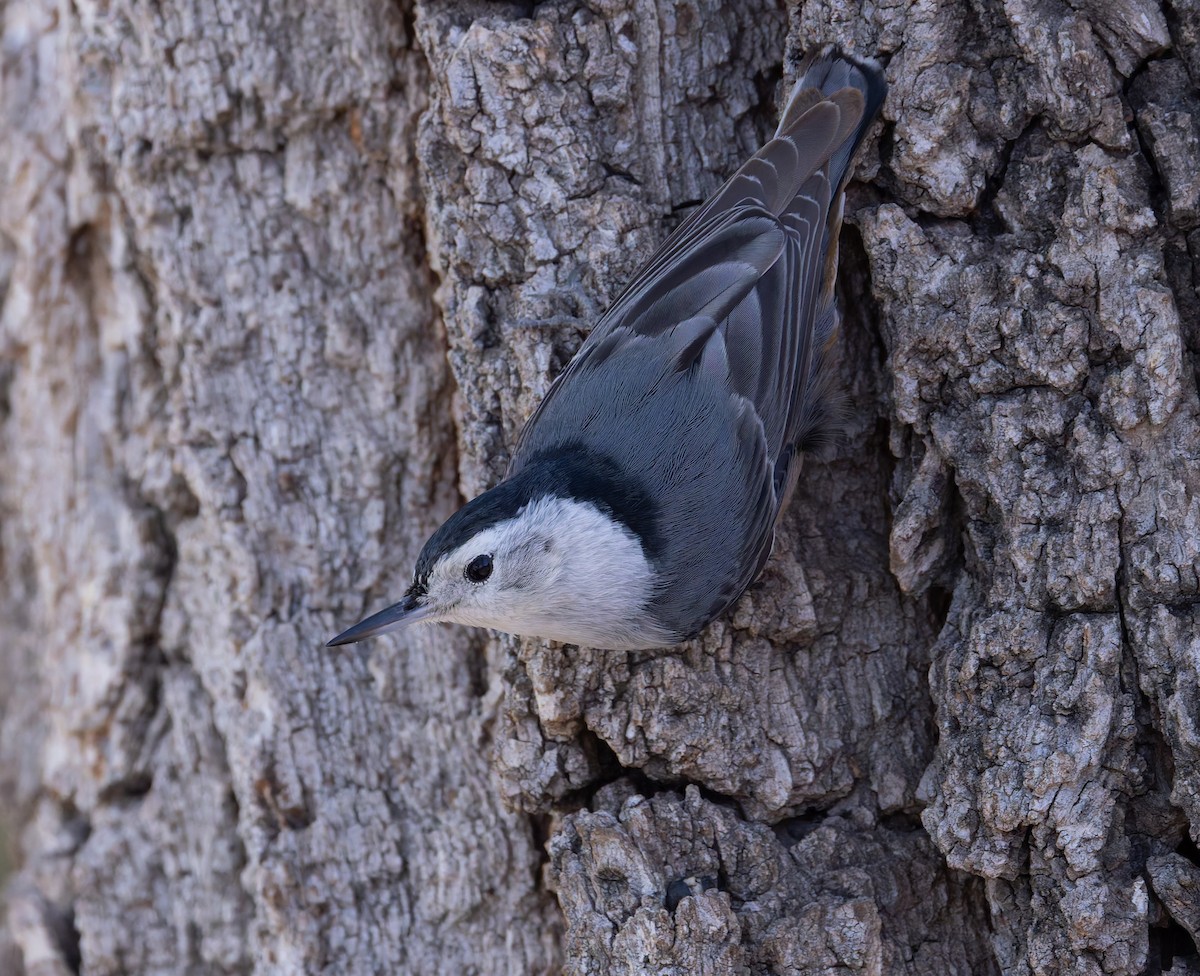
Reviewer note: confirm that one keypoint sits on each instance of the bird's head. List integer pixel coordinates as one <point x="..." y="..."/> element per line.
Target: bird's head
<point x="541" y="566"/>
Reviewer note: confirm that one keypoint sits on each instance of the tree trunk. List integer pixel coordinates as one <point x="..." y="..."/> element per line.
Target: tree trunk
<point x="280" y="283"/>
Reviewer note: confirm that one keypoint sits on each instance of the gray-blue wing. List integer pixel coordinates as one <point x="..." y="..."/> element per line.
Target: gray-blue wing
<point x="752" y="261"/>
<point x="725" y="326"/>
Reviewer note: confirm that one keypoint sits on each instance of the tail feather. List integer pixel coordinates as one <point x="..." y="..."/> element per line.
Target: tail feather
<point x="823" y="75"/>
<point x="857" y="88"/>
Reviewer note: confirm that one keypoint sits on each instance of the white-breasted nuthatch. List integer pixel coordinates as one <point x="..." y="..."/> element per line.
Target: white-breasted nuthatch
<point x="643" y="495"/>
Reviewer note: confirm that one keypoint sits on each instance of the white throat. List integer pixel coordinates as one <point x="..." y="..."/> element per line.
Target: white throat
<point x="566" y="571"/>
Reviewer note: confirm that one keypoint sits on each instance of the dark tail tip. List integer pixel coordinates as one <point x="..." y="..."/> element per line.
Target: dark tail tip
<point x="829" y="69"/>
<point x="822" y="75"/>
<point x="833" y="68"/>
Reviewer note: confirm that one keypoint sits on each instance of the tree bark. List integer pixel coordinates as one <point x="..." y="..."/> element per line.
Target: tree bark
<point x="279" y="285"/>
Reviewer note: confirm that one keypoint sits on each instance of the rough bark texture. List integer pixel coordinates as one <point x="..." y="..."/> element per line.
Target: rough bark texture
<point x="279" y="285"/>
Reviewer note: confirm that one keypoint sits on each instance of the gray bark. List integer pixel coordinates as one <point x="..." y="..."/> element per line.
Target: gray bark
<point x="279" y="285"/>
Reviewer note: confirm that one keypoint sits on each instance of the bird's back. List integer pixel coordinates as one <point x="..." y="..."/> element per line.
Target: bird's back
<point x="703" y="383"/>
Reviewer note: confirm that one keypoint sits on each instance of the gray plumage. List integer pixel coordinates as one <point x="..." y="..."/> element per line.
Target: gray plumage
<point x="683" y="417"/>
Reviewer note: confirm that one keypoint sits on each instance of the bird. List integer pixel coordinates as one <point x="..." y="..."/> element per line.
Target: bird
<point x="643" y="494"/>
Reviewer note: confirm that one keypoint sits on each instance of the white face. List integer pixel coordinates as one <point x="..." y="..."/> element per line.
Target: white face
<point x="560" y="570"/>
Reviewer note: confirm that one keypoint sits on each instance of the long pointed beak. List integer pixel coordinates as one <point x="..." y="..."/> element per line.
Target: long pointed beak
<point x="407" y="611"/>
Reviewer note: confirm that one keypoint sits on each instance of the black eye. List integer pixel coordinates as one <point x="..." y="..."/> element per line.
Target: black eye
<point x="479" y="569"/>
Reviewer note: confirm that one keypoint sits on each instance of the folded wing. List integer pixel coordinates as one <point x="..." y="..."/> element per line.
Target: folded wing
<point x="747" y="279"/>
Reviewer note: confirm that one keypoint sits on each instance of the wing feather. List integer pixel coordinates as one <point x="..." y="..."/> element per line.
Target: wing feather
<point x="738" y="300"/>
